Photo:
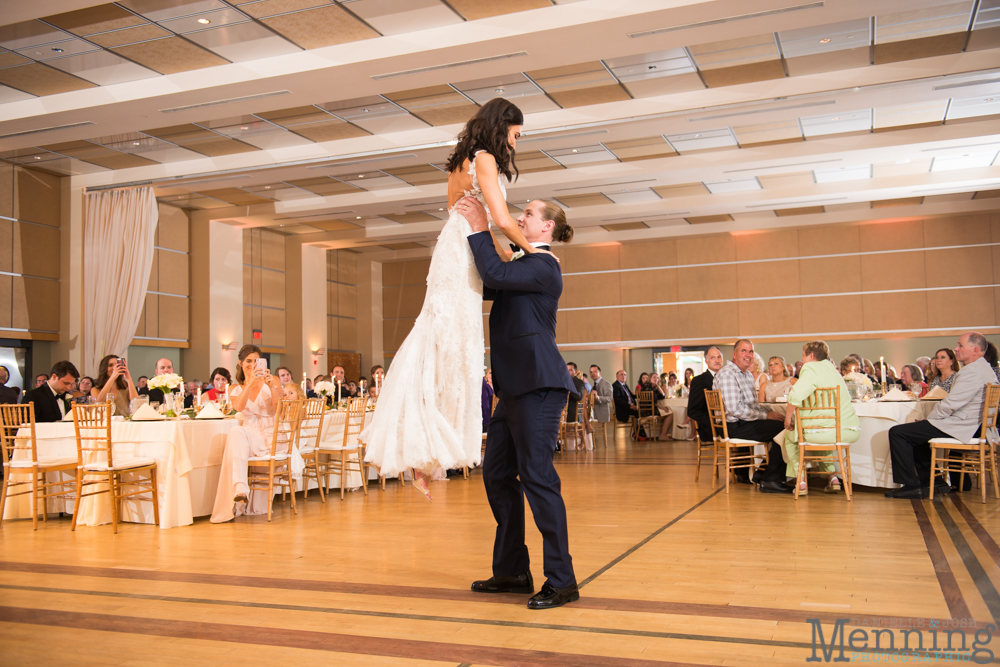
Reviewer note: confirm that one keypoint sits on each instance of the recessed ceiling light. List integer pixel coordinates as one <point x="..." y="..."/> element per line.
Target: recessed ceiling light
<point x="850" y="37"/>
<point x="57" y="50"/>
<point x="697" y="136"/>
<point x="244" y="127"/>
<point x="575" y="150"/>
<point x="988" y="99"/>
<point x="498" y="90"/>
<point x="267" y="187"/>
<point x="358" y="218"/>
<point x="135" y="143"/>
<point x="364" y="111"/>
<point x="361" y="175"/>
<point x="835" y="118"/>
<point x="440" y="209"/>
<point x="204" y="21"/>
<point x="650" y="67"/>
<point x="825" y="40"/>
<point x="38" y="157"/>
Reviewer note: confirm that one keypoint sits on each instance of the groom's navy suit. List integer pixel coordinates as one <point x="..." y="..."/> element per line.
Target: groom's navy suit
<point x="531" y="381"/>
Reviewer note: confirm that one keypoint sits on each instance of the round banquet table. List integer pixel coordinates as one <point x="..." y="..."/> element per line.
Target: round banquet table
<point x="679" y="406"/>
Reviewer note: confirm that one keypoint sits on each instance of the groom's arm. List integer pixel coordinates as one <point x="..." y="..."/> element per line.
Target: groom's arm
<point x="528" y="274"/>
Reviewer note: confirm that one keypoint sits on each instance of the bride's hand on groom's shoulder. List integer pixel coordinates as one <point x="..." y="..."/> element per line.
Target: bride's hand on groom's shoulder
<point x="547" y="252"/>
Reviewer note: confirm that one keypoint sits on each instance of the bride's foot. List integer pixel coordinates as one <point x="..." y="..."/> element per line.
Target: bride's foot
<point x="420" y="484"/>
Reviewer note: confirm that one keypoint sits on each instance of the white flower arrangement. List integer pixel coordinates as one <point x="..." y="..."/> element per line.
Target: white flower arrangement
<point x="325" y="388"/>
<point x="165" y="382"/>
<point x="859" y="378"/>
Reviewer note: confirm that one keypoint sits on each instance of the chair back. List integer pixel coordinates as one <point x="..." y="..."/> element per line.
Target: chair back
<point x="820" y="406"/>
<point x="354" y="421"/>
<point x="311" y="422"/>
<point x="286" y="426"/>
<point x="562" y="415"/>
<point x="93" y="433"/>
<point x="493" y="405"/>
<point x="697" y="436"/>
<point x="716" y="414"/>
<point x="646" y="404"/>
<point x="991" y="405"/>
<point x="12" y="419"/>
<point x="580" y="409"/>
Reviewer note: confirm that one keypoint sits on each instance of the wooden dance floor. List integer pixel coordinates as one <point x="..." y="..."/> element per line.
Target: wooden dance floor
<point x="673" y="572"/>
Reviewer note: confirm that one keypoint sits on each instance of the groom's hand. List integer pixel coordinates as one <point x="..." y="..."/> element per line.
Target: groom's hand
<point x="474" y="212"/>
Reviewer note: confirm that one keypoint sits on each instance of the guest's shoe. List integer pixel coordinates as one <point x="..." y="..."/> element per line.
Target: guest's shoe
<point x="908" y="492"/>
<point x="775" y="487"/>
<point x="551" y="597"/>
<point x="833" y="486"/>
<point x="520" y="583"/>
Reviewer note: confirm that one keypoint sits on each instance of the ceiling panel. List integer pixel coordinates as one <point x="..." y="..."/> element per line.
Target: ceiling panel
<point x="682" y="190"/>
<point x="92" y="20"/>
<point x="376" y="115"/>
<point x="889" y="203"/>
<point x="515" y="88"/>
<point x="324" y="186"/>
<point x="69" y="47"/>
<point x="437" y="105"/>
<point x="99" y="155"/>
<point x="529" y="162"/>
<point x="9" y="59"/>
<point x="739" y="74"/>
<point x="213" y="19"/>
<point x="579" y="85"/>
<point x="850" y="121"/>
<point x="732" y="185"/>
<point x="243" y="41"/>
<point x="796" y="180"/>
<point x="30" y="33"/>
<point x="170" y="55"/>
<point x="140" y="33"/>
<point x="704" y="140"/>
<point x="641" y="149"/>
<point x="264" y="8"/>
<point x="733" y="52"/>
<point x="391" y="17"/>
<point x="970" y="160"/>
<point x="323" y="26"/>
<point x="420" y="174"/>
<point x="704" y="219"/>
<point x="39" y="79"/>
<point x="826" y="39"/>
<point x="481" y="9"/>
<point x="910" y="114"/>
<point x="840" y="174"/>
<point x="235" y="196"/>
<point x="766" y="133"/>
<point x="924" y="22"/>
<point x="632" y="196"/>
<point x="279" y="191"/>
<point x="658" y="73"/>
<point x="589" y="199"/>
<point x="970" y="107"/>
<point x="163" y="10"/>
<point x="625" y="226"/>
<point x="411" y="217"/>
<point x="102" y="68"/>
<point x="805" y="210"/>
<point x="582" y="155"/>
<point x="371" y="180"/>
<point x="256" y="132"/>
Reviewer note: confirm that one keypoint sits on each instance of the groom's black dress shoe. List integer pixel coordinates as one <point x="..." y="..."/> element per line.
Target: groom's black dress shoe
<point x="551" y="597"/>
<point x="520" y="583"/>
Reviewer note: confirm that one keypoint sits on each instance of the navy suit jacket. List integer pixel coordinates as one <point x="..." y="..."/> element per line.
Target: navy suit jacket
<point x="698" y="407"/>
<point x="525" y="295"/>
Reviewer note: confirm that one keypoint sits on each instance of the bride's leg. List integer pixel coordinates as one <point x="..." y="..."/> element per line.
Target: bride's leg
<point x="422" y="482"/>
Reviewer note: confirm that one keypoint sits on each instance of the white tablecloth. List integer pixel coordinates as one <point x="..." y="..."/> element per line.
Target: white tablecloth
<point x="333" y="434"/>
<point x="679" y="406"/>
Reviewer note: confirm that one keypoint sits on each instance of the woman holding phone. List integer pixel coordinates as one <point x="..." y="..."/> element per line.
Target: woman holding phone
<point x="256" y="395"/>
<point x="115" y="381"/>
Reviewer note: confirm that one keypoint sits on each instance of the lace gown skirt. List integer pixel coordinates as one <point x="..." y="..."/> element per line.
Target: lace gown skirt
<point x="429" y="413"/>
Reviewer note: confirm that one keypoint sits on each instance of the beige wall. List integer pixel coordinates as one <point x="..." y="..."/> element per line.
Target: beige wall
<point x="166" y="315"/>
<point x="264" y="288"/>
<point x="30" y="206"/>
<point x="403" y="287"/>
<point x="342" y="301"/>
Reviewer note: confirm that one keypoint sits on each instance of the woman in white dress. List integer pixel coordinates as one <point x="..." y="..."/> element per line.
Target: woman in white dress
<point x="429" y="411"/>
<point x="256" y="396"/>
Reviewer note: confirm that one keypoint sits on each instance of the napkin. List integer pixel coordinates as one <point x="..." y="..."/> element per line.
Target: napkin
<point x="209" y="411"/>
<point x="68" y="417"/>
<point x="897" y="394"/>
<point x="146" y="413"/>
<point x="936" y="392"/>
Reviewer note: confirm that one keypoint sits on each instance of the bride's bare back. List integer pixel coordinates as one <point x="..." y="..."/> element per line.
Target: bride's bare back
<point x="458" y="183"/>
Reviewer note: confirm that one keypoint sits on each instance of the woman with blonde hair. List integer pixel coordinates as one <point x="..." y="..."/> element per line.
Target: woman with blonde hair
<point x="776" y="382"/>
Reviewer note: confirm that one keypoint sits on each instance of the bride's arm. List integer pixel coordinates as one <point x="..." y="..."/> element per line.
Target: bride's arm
<point x="487" y="175"/>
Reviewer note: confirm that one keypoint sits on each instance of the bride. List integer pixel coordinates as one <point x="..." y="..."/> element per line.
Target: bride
<point x="429" y="411"/>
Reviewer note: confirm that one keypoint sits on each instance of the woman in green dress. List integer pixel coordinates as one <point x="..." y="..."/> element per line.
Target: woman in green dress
<point x="818" y="371"/>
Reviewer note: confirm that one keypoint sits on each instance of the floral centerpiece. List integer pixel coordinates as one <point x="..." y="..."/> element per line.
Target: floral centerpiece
<point x="859" y="380"/>
<point x="166" y="383"/>
<point x="327" y="390"/>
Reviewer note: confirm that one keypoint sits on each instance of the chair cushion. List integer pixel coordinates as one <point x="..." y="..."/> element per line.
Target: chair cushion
<point x="264" y="459"/>
<point x="43" y="464"/>
<point x="307" y="450"/>
<point x="339" y="448"/>
<point x="121" y="464"/>
<point x="952" y="441"/>
<point x="738" y="441"/>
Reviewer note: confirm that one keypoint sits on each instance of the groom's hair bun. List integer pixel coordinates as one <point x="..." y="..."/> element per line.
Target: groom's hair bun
<point x="562" y="232"/>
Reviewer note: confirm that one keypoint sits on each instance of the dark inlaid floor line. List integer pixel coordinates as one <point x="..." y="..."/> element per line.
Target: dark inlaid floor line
<point x="453" y="595"/>
<point x="320" y="641"/>
<point x="983" y="583"/>
<point x="650" y="537"/>
<point x="977" y="528"/>
<point x="946" y="578"/>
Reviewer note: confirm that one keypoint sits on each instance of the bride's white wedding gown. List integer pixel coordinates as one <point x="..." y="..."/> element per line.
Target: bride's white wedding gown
<point x="429" y="412"/>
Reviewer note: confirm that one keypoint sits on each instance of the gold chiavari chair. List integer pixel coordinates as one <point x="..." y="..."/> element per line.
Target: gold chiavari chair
<point x="349" y="456"/>
<point x="648" y="415"/>
<point x="822" y="405"/>
<point x="705" y="450"/>
<point x="264" y="472"/>
<point x="96" y="461"/>
<point x="599" y="424"/>
<point x="310" y="432"/>
<point x="722" y="441"/>
<point x="20" y="457"/>
<point x="954" y="455"/>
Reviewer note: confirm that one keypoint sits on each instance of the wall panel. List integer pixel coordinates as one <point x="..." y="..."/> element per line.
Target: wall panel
<point x="37" y="197"/>
<point x="342" y="301"/>
<point x="167" y="312"/>
<point x="264" y="288"/>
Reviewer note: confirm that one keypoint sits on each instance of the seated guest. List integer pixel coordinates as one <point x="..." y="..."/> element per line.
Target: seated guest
<point x="624" y="399"/>
<point x="487" y="402"/>
<point x="777" y="383"/>
<point x="643" y="379"/>
<point x="362" y="386"/>
<point x="688" y="376"/>
<point x="82" y="393"/>
<point x="924" y="364"/>
<point x="991" y="358"/>
<point x="193" y="387"/>
<point x="697" y="407"/>
<point x="747" y="420"/>
<point x="944" y="367"/>
<point x="115" y="384"/>
<point x="284" y="375"/>
<point x="309" y="389"/>
<point x="671" y="385"/>
<point x="574" y="399"/>
<point x="818" y="371"/>
<point x="758" y="370"/>
<point x="912" y="379"/>
<point x="849" y="365"/>
<point x="163" y="366"/>
<point x="798" y="367"/>
<point x="142" y="386"/>
<point x="256" y="395"/>
<point x="373" y="394"/>
<point x="666" y="414"/>
<point x="220" y="380"/>
<point x="8" y="395"/>
<point x="291" y="392"/>
<point x="352" y="388"/>
<point x="959" y="416"/>
<point x="51" y="399"/>
<point x="40" y="380"/>
<point x="602" y="396"/>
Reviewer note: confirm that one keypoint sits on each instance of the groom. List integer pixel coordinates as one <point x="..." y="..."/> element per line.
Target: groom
<point x="530" y="378"/>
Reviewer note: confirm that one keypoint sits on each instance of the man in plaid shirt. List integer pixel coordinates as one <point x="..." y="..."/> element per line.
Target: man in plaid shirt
<point x="747" y="420"/>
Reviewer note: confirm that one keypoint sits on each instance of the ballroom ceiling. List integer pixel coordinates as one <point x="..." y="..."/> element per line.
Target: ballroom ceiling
<point x="332" y="120"/>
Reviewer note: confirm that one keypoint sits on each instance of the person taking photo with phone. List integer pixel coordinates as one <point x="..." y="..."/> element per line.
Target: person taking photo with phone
<point x="115" y="381"/>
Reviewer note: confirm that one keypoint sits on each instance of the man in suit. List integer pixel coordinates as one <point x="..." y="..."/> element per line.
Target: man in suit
<point x="601" y="396"/>
<point x="625" y="406"/>
<point x="163" y="366"/>
<point x="51" y="399"/>
<point x="8" y="395"/>
<point x="697" y="408"/>
<point x="959" y="416"/>
<point x="531" y="380"/>
<point x="574" y="396"/>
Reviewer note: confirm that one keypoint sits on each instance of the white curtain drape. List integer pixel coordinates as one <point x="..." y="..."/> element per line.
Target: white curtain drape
<point x="118" y="232"/>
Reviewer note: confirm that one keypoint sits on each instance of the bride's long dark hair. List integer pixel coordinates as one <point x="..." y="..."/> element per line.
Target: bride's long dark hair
<point x="488" y="131"/>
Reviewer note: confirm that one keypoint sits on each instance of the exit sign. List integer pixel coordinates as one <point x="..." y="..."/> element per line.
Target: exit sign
<point x="256" y="334"/>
